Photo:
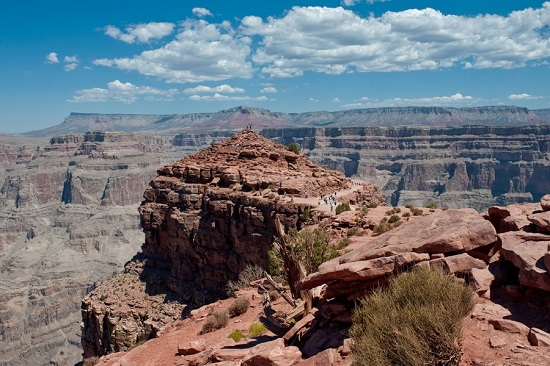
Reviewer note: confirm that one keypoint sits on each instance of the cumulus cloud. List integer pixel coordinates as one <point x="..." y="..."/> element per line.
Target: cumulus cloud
<point x="455" y="99"/>
<point x="70" y="67"/>
<point x="51" y="58"/>
<point x="224" y="88"/>
<point x="523" y="96"/>
<point x="200" y="52"/>
<point x="127" y="93"/>
<point x="337" y="40"/>
<point x="269" y="89"/>
<point x="221" y="97"/>
<point x="71" y="59"/>
<point x="141" y="33"/>
<point x="201" y="12"/>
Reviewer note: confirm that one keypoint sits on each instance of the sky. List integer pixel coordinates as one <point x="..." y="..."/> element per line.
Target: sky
<point x="180" y="56"/>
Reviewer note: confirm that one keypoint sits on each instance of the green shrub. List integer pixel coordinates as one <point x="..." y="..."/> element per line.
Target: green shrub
<point x="406" y="214"/>
<point x="352" y="231"/>
<point x="382" y="227"/>
<point x="431" y="205"/>
<point x="306" y="215"/>
<point x="415" y="321"/>
<point x="256" y="329"/>
<point x="217" y="320"/>
<point x="343" y="207"/>
<point x="393" y="218"/>
<point x="238" y="307"/>
<point x="236" y="336"/>
<point x="409" y="206"/>
<point x="372" y="205"/>
<point x="274" y="263"/>
<point x="311" y="247"/>
<point x="295" y="148"/>
<point x="344" y="242"/>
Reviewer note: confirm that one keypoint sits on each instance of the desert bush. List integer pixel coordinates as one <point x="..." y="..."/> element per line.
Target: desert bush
<point x="236" y="336"/>
<point x="372" y="205"/>
<point x="415" y="321"/>
<point x="274" y="295"/>
<point x="406" y="214"/>
<point x="274" y="263"/>
<point x="409" y="206"/>
<point x="249" y="274"/>
<point x="311" y="247"/>
<point x="306" y="215"/>
<point x="431" y="205"/>
<point x="352" y="231"/>
<point x="417" y="211"/>
<point x="343" y="207"/>
<point x="393" y="218"/>
<point x="382" y="227"/>
<point x="295" y="148"/>
<point x="238" y="307"/>
<point x="214" y="321"/>
<point x="256" y="329"/>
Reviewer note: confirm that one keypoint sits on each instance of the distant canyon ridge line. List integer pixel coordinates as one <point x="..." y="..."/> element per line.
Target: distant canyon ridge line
<point x="456" y="157"/>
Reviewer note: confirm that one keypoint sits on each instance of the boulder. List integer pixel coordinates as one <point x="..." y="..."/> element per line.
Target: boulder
<point x="324" y="358"/>
<point x="512" y="217"/>
<point x="526" y="252"/>
<point x="538" y="337"/>
<point x="545" y="202"/>
<point x="272" y="353"/>
<point x="480" y="280"/>
<point x="509" y="326"/>
<point x="462" y="263"/>
<point x="192" y="348"/>
<point x="547" y="259"/>
<point x="442" y="232"/>
<point x="541" y="219"/>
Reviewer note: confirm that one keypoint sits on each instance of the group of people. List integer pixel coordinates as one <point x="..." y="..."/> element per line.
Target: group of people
<point x="328" y="199"/>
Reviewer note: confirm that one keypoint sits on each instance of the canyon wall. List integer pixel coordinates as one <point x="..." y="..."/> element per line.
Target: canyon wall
<point x="468" y="166"/>
<point x="68" y="220"/>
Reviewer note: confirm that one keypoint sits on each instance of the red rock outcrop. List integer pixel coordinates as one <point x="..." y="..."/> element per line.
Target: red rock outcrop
<point x="211" y="214"/>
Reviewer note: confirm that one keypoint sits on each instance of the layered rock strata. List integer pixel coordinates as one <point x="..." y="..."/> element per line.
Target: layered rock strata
<point x="455" y="167"/>
<point x="210" y="215"/>
<point x="68" y="220"/>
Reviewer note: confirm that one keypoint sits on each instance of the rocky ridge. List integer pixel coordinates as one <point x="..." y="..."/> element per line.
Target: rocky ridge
<point x="237" y="118"/>
<point x="206" y="218"/>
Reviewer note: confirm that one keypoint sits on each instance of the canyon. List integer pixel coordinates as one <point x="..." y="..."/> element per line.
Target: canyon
<point x="69" y="198"/>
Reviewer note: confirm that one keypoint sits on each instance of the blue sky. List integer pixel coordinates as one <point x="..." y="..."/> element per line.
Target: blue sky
<point x="171" y="56"/>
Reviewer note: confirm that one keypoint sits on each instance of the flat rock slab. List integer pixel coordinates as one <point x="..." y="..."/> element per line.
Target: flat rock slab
<point x="527" y="251"/>
<point x="541" y="219"/>
<point x="442" y="232"/>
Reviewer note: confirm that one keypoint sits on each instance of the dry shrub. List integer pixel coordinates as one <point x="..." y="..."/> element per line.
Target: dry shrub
<point x="249" y="274"/>
<point x="416" y="321"/>
<point x="238" y="307"/>
<point x="217" y="320"/>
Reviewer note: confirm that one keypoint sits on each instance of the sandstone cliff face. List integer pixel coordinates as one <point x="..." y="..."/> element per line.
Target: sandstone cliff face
<point x="469" y="166"/>
<point x="68" y="220"/>
<point x="209" y="216"/>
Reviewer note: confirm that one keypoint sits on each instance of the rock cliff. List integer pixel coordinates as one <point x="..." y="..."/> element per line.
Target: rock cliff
<point x="206" y="218"/>
<point x="468" y="166"/>
<point x="68" y="220"/>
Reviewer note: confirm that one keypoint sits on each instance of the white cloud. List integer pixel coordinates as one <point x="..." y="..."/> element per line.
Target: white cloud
<point x="71" y="59"/>
<point x="224" y="88"/>
<point x="126" y="93"/>
<point x="202" y="12"/>
<point x="141" y="33"/>
<point x="269" y="89"/>
<point x="337" y="40"/>
<point x="523" y="96"/>
<point x="221" y="97"/>
<point x="70" y="67"/>
<point x="455" y="99"/>
<point x="200" y="52"/>
<point x="354" y="2"/>
<point x="313" y="100"/>
<point x="51" y="58"/>
<point x="336" y="100"/>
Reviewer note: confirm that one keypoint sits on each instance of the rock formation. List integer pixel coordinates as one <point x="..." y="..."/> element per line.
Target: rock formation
<point x="455" y="167"/>
<point x="209" y="216"/>
<point x="68" y="220"/>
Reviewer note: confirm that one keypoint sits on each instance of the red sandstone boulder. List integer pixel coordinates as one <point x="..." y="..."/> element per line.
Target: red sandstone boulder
<point x="541" y="220"/>
<point x="512" y="217"/>
<point x="526" y="251"/>
<point x="272" y="353"/>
